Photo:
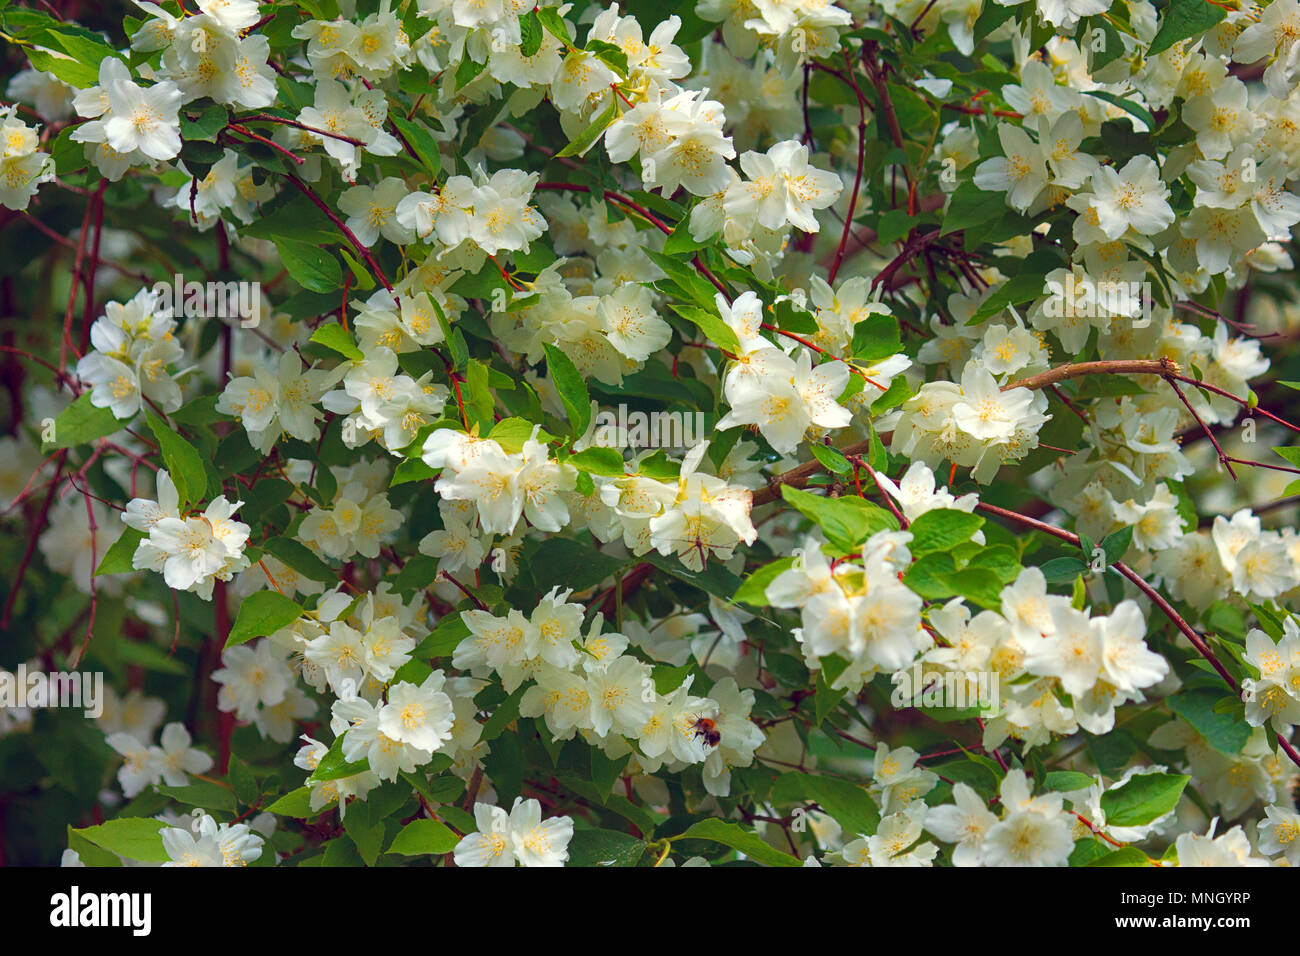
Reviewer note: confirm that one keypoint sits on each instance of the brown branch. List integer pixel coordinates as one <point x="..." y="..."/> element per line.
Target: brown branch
<point x="1162" y="367"/>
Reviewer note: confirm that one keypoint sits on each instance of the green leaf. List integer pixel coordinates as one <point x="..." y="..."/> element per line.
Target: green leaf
<point x="332" y="766"/>
<point x="1184" y="19"/>
<point x="260" y="614"/>
<point x="604" y="848"/>
<point x="1060" y="570"/>
<point x="850" y="805"/>
<point x="550" y="18"/>
<point x="80" y="424"/>
<point x="1114" y="44"/>
<point x="296" y="803"/>
<point x="310" y="266"/>
<point x="572" y="389"/>
<point x="569" y="563"/>
<point x="184" y="463"/>
<point x="301" y="558"/>
<point x="1143" y="799"/>
<point x="711" y="324"/>
<point x="1290" y="454"/>
<point x="206" y="125"/>
<point x="423" y="836"/>
<point x="467" y="71"/>
<point x="611" y="55"/>
<point x="942" y="530"/>
<point x="754" y="590"/>
<point x="680" y="241"/>
<point x="117" y="560"/>
<point x="71" y="71"/>
<point x="832" y="458"/>
<point x="1067" y="781"/>
<point x="969" y="205"/>
<point x="511" y="433"/>
<point x="478" y="396"/>
<point x="587" y="138"/>
<point x="1128" y="856"/>
<point x="599" y="461"/>
<point x="203" y="794"/>
<point x="876" y="337"/>
<point x="134" y="838"/>
<point x="848" y="522"/>
<point x="422" y="141"/>
<point x="444" y="639"/>
<point x="977" y="585"/>
<point x="90" y="854"/>
<point x="413" y="469"/>
<point x="738" y="838"/>
<point x="1134" y="109"/>
<point x="1116" y="543"/>
<point x="530" y="34"/>
<point x="334" y="336"/>
<point x="1226" y="733"/>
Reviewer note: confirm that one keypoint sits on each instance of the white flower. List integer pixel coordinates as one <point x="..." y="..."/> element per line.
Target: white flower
<point x="965" y="822"/>
<point x="1133" y="197"/>
<point x="146" y="119"/>
<point x="1033" y="831"/>
<point x="419" y="716"/>
<point x="1019" y="172"/>
<point x="782" y="188"/>
<point x="371" y="211"/>
<point x="491" y="845"/>
<point x="176" y="758"/>
<point x="538" y="842"/>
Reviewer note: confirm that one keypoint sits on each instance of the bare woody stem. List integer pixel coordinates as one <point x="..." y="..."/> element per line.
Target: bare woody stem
<point x="1162" y="367"/>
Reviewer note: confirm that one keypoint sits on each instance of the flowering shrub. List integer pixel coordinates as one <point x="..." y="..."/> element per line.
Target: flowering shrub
<point x="673" y="433"/>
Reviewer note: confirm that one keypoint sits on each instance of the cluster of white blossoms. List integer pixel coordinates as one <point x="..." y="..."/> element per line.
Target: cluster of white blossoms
<point x="586" y="684"/>
<point x="260" y="688"/>
<point x="470" y="218"/>
<point x="1043" y="649"/>
<point x="1040" y="646"/>
<point x="358" y="520"/>
<point x="1028" y="831"/>
<point x="207" y="55"/>
<point x="694" y="262"/>
<point x="781" y="396"/>
<point x="193" y="550"/>
<point x="133" y="348"/>
<point x="520" y="836"/>
<point x="1275" y="696"/>
<point x="23" y="167"/>
<point x="693" y="515"/>
<point x="277" y="400"/>
<point x="1232" y="782"/>
<point x="607" y="327"/>
<point x="129" y="125"/>
<point x="1236" y="555"/>
<point x="861" y="612"/>
<point x="227" y="185"/>
<point x="205" y="842"/>
<point x="171" y="761"/>
<point x="399" y="733"/>
<point x="978" y="424"/>
<point x="383" y="404"/>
